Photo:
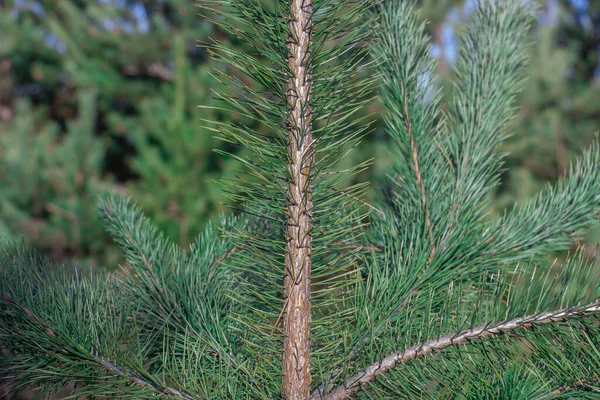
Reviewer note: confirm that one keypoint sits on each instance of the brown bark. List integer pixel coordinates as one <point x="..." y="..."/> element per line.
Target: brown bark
<point x="297" y="307"/>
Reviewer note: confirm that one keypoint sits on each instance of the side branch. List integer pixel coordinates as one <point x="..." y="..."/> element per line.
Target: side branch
<point x="415" y="158"/>
<point x="110" y="366"/>
<point x="100" y="361"/>
<point x="480" y="332"/>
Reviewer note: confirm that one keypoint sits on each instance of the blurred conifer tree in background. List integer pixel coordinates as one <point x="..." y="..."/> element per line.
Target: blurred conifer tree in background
<point x="143" y="61"/>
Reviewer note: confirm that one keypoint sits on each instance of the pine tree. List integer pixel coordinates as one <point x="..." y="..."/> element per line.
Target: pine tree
<point x="305" y="297"/>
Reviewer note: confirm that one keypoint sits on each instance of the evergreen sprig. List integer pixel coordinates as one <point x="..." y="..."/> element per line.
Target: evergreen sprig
<point x="61" y="325"/>
<point x="434" y="299"/>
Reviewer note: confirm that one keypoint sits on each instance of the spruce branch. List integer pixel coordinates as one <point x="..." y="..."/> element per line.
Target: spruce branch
<point x="480" y="332"/>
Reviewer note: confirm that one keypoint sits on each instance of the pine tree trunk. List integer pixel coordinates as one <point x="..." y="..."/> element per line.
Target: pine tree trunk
<point x="297" y="308"/>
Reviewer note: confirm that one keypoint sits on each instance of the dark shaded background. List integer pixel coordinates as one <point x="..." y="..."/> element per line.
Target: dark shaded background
<point x="100" y="95"/>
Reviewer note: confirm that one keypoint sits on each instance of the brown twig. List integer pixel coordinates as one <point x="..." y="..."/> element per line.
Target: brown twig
<point x="357" y="247"/>
<point x="153" y="69"/>
<point x="581" y="383"/>
<point x="225" y="256"/>
<point x="420" y="184"/>
<point x="28" y="312"/>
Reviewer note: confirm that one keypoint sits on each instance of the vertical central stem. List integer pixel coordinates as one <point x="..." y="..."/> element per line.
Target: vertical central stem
<point x="297" y="308"/>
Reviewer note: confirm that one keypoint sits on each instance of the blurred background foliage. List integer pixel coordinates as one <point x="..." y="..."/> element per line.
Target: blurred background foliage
<point x="100" y="95"/>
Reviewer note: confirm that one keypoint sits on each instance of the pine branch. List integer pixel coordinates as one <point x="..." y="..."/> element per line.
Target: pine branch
<point x="100" y="361"/>
<point x="419" y="179"/>
<point x="145" y="247"/>
<point x="581" y="383"/>
<point x="490" y="71"/>
<point x="553" y="219"/>
<point x="412" y="109"/>
<point x="477" y="333"/>
<point x="359" y="247"/>
<point x="185" y="296"/>
<point x="28" y="312"/>
<point x="110" y="366"/>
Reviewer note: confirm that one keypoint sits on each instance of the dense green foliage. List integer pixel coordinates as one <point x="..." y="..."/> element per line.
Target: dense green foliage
<point x="427" y="296"/>
<point x="559" y="113"/>
<point x="49" y="184"/>
<point x="149" y="76"/>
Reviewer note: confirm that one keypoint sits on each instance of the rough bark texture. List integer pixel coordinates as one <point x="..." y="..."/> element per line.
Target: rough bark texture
<point x="297" y="308"/>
